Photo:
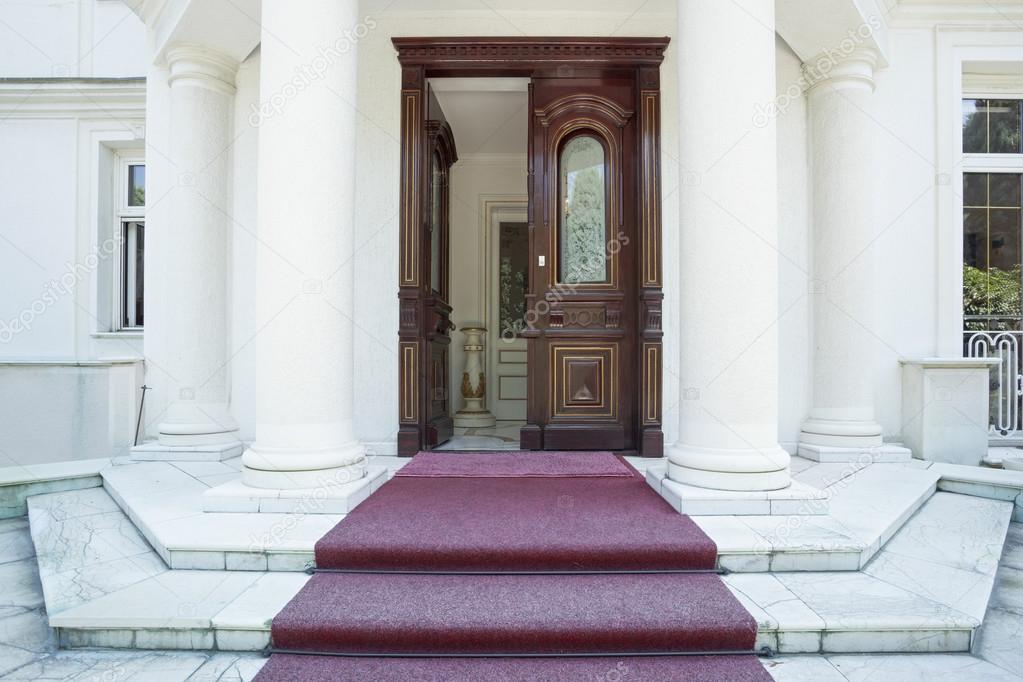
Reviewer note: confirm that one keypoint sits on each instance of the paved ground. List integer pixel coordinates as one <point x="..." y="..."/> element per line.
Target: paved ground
<point x="28" y="650"/>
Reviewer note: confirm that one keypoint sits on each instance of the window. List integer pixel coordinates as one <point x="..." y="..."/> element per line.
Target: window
<point x="582" y="240"/>
<point x="131" y="231"/>
<point x="992" y="208"/>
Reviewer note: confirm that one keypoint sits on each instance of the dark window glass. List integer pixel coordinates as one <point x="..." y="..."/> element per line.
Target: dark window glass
<point x="514" y="277"/>
<point x="992" y="249"/>
<point x="136" y="185"/>
<point x="583" y="220"/>
<point x="992" y="126"/>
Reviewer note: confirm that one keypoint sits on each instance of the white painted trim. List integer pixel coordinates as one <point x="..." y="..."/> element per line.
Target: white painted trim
<point x="953" y="49"/>
<point x="111" y="98"/>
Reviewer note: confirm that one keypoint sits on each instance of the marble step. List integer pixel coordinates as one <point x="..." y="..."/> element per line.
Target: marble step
<point x="105" y="586"/>
<point x="18" y="483"/>
<point x="867" y="506"/>
<point x="926" y="591"/>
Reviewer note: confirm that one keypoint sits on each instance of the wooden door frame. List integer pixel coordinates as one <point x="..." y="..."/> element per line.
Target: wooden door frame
<point x="423" y="58"/>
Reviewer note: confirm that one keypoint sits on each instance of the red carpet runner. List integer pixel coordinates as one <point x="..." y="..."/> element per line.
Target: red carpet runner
<point x="512" y="578"/>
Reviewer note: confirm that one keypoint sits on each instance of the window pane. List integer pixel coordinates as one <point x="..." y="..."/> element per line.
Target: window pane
<point x="435" y="223"/>
<point x="132" y="273"/>
<point x="992" y="250"/>
<point x="514" y="274"/>
<point x="583" y="237"/>
<point x="975" y="189"/>
<point x="140" y="250"/>
<point x="992" y="126"/>
<point x="136" y="185"/>
<point x="1005" y="189"/>
<point x="1004" y="127"/>
<point x="975" y="126"/>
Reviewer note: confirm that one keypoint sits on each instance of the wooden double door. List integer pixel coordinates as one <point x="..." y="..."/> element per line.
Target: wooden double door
<point x="592" y="321"/>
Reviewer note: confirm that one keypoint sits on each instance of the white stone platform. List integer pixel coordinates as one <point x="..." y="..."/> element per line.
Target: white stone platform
<point x="18" y="483"/>
<point x="152" y="451"/>
<point x="828" y="454"/>
<point x="798" y="499"/>
<point x="330" y="498"/>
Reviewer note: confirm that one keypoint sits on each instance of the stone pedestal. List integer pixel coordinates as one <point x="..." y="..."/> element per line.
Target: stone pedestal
<point x="304" y="408"/>
<point x="945" y="405"/>
<point x="193" y="330"/>
<point x="474" y="382"/>
<point x="728" y="431"/>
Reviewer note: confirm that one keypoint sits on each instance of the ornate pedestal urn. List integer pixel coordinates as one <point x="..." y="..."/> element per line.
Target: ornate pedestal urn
<point x="474" y="383"/>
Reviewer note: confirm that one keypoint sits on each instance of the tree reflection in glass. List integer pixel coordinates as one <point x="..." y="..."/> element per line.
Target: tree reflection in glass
<point x="583" y="220"/>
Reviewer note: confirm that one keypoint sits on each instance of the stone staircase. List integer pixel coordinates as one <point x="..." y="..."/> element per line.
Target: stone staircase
<point x="896" y="565"/>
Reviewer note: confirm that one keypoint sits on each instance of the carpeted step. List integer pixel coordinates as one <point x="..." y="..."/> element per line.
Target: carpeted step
<point x="516" y="524"/>
<point x="379" y="614"/>
<point x="289" y="668"/>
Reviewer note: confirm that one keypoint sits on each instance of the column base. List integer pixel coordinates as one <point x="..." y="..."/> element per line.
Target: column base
<point x="866" y="455"/>
<point x="798" y="499"/>
<point x="154" y="451"/>
<point x="738" y="470"/>
<point x="291" y="469"/>
<point x="469" y="420"/>
<point x="334" y="496"/>
<point x="841" y="433"/>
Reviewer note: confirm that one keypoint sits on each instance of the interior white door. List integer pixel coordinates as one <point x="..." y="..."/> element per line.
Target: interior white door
<point x="509" y="268"/>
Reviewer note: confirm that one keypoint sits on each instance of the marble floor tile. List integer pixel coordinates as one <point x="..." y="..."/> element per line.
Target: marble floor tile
<point x="919" y="668"/>
<point x="956" y="530"/>
<point x="1012" y="552"/>
<point x="782" y="607"/>
<point x="856" y="601"/>
<point x="998" y="639"/>
<point x="802" y="669"/>
<point x="965" y="591"/>
<point x="20" y="590"/>
<point x="1008" y="591"/>
<point x="175" y="599"/>
<point x="66" y="589"/>
<point x="798" y="464"/>
<point x="72" y="543"/>
<point x="16" y="545"/>
<point x="825" y="475"/>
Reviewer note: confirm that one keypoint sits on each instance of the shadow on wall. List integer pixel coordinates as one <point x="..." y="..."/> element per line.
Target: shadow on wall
<point x="55" y="412"/>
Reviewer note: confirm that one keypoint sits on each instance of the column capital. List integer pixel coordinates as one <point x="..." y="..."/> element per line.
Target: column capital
<point x="838" y="70"/>
<point x="199" y="66"/>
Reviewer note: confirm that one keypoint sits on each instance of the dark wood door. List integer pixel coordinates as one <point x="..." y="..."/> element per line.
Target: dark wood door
<point x="582" y="336"/>
<point x="436" y="334"/>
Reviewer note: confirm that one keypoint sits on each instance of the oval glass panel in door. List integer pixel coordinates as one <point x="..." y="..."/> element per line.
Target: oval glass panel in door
<point x="582" y="238"/>
<point x="436" y="177"/>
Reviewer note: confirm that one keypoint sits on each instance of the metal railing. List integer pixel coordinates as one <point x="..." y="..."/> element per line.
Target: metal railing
<point x="1006" y="383"/>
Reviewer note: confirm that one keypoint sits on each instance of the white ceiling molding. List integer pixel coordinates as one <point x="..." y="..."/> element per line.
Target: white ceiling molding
<point x="479" y="84"/>
<point x="832" y="27"/>
<point x="230" y="27"/>
<point x="1006" y="14"/>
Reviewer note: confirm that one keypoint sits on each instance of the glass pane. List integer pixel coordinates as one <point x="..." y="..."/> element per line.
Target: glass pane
<point x="583" y="238"/>
<point x="992" y="250"/>
<point x="992" y="126"/>
<point x="436" y="176"/>
<point x="136" y="185"/>
<point x="1004" y="127"/>
<point x="974" y="126"/>
<point x="140" y="250"/>
<point x="975" y="189"/>
<point x="514" y="273"/>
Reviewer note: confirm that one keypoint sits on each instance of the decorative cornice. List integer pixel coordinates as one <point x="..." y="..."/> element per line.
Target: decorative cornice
<point x="478" y="53"/>
<point x="72" y="97"/>
<point x="200" y="66"/>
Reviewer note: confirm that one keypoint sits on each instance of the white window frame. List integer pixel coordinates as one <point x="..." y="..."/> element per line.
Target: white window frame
<point x="125" y="214"/>
<point x="956" y="48"/>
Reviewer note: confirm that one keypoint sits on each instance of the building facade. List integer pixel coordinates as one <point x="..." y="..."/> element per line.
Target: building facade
<point x="708" y="231"/>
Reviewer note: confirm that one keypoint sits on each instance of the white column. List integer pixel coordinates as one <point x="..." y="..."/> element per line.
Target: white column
<point x="728" y="249"/>
<point x="304" y="431"/>
<point x="194" y="324"/>
<point x="845" y="341"/>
